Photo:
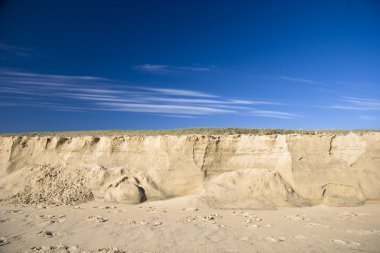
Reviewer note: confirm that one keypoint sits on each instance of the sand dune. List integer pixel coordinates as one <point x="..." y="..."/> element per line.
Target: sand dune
<point x="168" y="193"/>
<point x="251" y="188"/>
<point x="330" y="169"/>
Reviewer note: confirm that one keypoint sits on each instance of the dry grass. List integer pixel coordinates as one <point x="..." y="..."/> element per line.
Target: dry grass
<point x="188" y="131"/>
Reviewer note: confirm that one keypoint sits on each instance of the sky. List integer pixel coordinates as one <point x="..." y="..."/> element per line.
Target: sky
<point x="96" y="65"/>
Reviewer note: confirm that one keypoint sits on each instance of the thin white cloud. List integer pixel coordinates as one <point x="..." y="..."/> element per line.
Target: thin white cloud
<point x="299" y="80"/>
<point x="357" y="104"/>
<point x="348" y="107"/>
<point x="274" y="114"/>
<point x="152" y="68"/>
<point x="12" y="90"/>
<point x="364" y="102"/>
<point x="61" y="92"/>
<point x="211" y="101"/>
<point x="188" y="68"/>
<point x="6" y="47"/>
<point x="180" y="92"/>
<point x="18" y="51"/>
<point x="45" y="78"/>
<point x="50" y="106"/>
<point x="179" y="116"/>
<point x="159" y="108"/>
<point x="162" y="69"/>
<point x="368" y="118"/>
<point x="251" y="102"/>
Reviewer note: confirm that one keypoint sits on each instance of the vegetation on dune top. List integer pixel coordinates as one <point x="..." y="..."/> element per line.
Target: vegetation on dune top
<point x="187" y="131"/>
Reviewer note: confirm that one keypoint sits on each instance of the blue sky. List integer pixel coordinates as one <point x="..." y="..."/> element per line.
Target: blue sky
<point x="81" y="65"/>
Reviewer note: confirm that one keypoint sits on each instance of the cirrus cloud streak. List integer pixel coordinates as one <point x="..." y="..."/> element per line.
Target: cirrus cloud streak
<point x="85" y="93"/>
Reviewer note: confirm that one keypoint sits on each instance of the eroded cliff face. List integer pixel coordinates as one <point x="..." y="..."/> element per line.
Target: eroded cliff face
<point x="224" y="171"/>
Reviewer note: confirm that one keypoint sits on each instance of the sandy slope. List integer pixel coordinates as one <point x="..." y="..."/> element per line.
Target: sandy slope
<point x="176" y="225"/>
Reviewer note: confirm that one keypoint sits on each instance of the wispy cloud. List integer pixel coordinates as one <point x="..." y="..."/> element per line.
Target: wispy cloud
<point x="165" y="108"/>
<point x="162" y="69"/>
<point x="253" y="102"/>
<point x="179" y="92"/>
<point x="357" y="104"/>
<point x="368" y="118"/>
<point x="299" y="80"/>
<point x="83" y="93"/>
<point x="46" y="79"/>
<point x="274" y="114"/>
<point x="18" y="51"/>
<point x="178" y="116"/>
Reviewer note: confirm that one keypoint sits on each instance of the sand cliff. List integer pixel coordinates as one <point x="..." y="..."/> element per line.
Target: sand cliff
<point x="226" y="171"/>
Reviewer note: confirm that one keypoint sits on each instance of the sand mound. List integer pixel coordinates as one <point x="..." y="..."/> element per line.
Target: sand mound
<point x="342" y="195"/>
<point x="126" y="191"/>
<point x="53" y="185"/>
<point x="123" y="185"/>
<point x="250" y="188"/>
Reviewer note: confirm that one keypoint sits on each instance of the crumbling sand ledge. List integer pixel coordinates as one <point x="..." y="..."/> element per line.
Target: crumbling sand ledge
<point x="243" y="171"/>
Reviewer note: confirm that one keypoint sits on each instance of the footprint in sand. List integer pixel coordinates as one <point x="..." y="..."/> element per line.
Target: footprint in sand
<point x="108" y="250"/>
<point x="244" y="238"/>
<point x="314" y="225"/>
<point x="46" y="223"/>
<point x="222" y="226"/>
<point x="128" y="222"/>
<point x="297" y="217"/>
<point x="105" y="207"/>
<point x="155" y="223"/>
<point x="251" y="220"/>
<point x="47" y="234"/>
<point x="109" y="208"/>
<point x="3" y="241"/>
<point x="248" y="215"/>
<point x="275" y="239"/>
<point x="13" y="211"/>
<point x="50" y="216"/>
<point x="256" y="226"/>
<point x="190" y="209"/>
<point x="345" y="243"/>
<point x="252" y="223"/>
<point x="362" y="231"/>
<point x="98" y="219"/>
<point x="351" y="215"/>
<point x="50" y="219"/>
<point x="212" y="218"/>
<point x="57" y="249"/>
<point x="154" y="210"/>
